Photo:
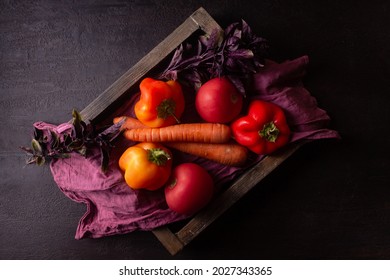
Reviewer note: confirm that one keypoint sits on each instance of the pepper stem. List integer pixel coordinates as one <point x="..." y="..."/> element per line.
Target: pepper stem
<point x="158" y="156"/>
<point x="174" y="116"/>
<point x="269" y="132"/>
<point x="167" y="108"/>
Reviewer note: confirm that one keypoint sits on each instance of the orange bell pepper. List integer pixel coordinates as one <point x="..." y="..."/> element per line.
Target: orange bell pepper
<point x="146" y="166"/>
<point x="160" y="104"/>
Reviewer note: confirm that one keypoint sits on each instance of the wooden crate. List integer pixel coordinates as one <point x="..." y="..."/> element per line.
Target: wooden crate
<point x="108" y="101"/>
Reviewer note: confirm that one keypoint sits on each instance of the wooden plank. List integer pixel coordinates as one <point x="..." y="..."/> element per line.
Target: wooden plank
<point x="168" y="239"/>
<point x="230" y="196"/>
<point x="199" y="19"/>
<point x="205" y="21"/>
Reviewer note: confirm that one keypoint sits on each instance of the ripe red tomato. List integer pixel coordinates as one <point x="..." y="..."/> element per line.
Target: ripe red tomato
<point x="189" y="188"/>
<point x="218" y="101"/>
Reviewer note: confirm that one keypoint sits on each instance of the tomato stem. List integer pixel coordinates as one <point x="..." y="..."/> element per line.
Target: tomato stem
<point x="173" y="183"/>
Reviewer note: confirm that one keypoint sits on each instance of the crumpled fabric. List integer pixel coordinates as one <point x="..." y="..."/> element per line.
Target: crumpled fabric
<point x="114" y="208"/>
<point x="282" y="84"/>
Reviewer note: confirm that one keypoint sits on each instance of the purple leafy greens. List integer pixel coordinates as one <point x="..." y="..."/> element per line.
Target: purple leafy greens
<point x="235" y="52"/>
<point x="75" y="137"/>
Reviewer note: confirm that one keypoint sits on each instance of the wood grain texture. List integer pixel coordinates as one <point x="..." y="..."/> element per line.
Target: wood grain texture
<point x="168" y="239"/>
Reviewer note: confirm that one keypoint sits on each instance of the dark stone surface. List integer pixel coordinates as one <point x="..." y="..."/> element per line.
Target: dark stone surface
<point x="328" y="201"/>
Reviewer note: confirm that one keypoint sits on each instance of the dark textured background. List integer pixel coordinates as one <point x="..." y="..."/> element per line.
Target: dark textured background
<point x="331" y="200"/>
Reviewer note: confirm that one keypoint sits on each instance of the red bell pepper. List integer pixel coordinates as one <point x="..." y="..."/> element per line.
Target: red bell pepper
<point x="263" y="130"/>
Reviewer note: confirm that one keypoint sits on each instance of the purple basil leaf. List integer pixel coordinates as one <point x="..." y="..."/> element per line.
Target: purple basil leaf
<point x="51" y="143"/>
<point x="203" y="40"/>
<point x="246" y="66"/>
<point x="36" y="147"/>
<point x="113" y="131"/>
<point x="232" y="43"/>
<point x="194" y="78"/>
<point x="258" y="64"/>
<point x="38" y="134"/>
<point x="188" y="48"/>
<point x="40" y="160"/>
<point x="177" y="56"/>
<point x="235" y="51"/>
<point x="82" y="151"/>
<point x="245" y="27"/>
<point x="241" y="54"/>
<point x="230" y="29"/>
<point x="214" y="40"/>
<point x="76" y="121"/>
<point x="104" y="158"/>
<point x="199" y="49"/>
<point x="238" y="83"/>
<point x="54" y="141"/>
<point x="170" y="75"/>
<point x="237" y="34"/>
<point x="26" y="149"/>
<point x="230" y="64"/>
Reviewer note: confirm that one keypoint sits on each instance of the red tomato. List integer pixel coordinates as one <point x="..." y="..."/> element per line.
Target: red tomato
<point x="218" y="101"/>
<point x="189" y="189"/>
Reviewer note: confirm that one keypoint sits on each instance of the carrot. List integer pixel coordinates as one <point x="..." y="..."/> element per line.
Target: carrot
<point x="129" y="123"/>
<point x="189" y="132"/>
<point x="227" y="153"/>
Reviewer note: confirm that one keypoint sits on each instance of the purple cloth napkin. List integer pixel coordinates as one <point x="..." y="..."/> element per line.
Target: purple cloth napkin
<point x="282" y="84"/>
<point x="114" y="208"/>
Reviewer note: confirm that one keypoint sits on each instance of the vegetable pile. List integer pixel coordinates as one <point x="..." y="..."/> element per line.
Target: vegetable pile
<point x="218" y="107"/>
<point x="222" y="136"/>
<point x="217" y="67"/>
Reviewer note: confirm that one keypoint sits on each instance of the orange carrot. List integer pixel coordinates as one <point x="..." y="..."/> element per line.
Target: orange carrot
<point x="129" y="123"/>
<point x="189" y="132"/>
<point x="230" y="154"/>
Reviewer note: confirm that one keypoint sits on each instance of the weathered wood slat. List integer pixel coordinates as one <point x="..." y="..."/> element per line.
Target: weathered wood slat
<point x="205" y="21"/>
<point x="168" y="239"/>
